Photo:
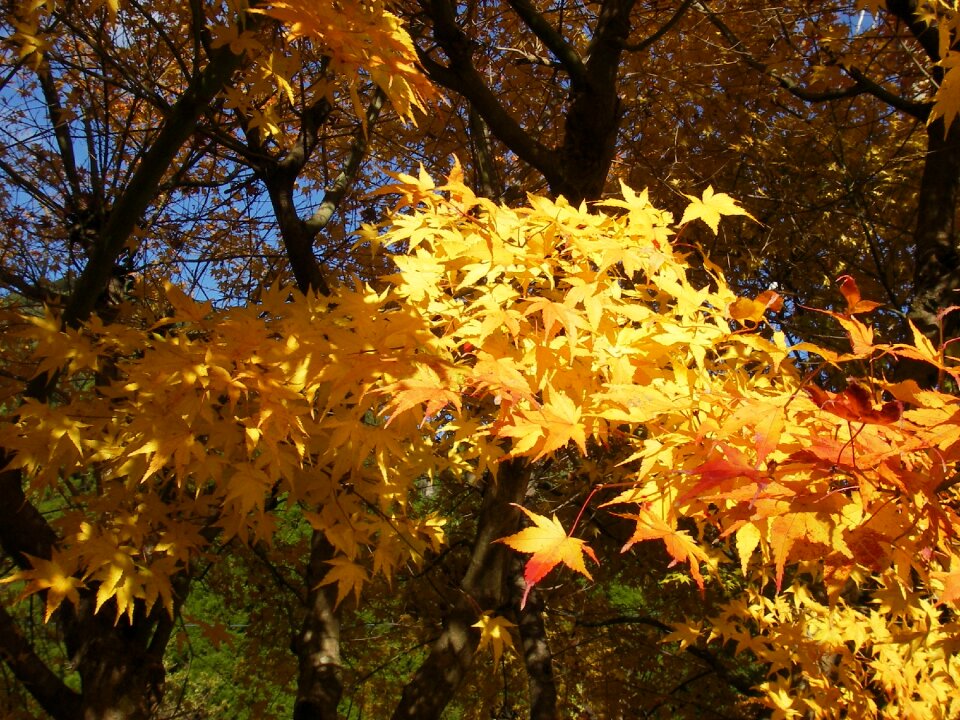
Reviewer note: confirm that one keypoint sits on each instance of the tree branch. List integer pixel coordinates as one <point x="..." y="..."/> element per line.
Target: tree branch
<point x="358" y="151"/>
<point x="23" y="529"/>
<point x="788" y="84"/>
<point x="663" y="30"/>
<point x="593" y="114"/>
<point x="919" y="110"/>
<point x="863" y="84"/>
<point x="60" y="122"/>
<point x="462" y="77"/>
<point x="39" y="680"/>
<point x="564" y="52"/>
<point x="140" y="191"/>
<point x="537" y="658"/>
<point x="606" y="44"/>
<point x="705" y="655"/>
<point x="484" y="585"/>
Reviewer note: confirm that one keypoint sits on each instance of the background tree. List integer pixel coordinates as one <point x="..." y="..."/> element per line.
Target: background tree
<point x="817" y="114"/>
<point x="325" y="441"/>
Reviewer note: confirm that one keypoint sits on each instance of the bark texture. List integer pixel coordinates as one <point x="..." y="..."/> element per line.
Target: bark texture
<point x="937" y="268"/>
<point x="578" y="167"/>
<point x="317" y="646"/>
<point x="537" y="658"/>
<point x="485" y="586"/>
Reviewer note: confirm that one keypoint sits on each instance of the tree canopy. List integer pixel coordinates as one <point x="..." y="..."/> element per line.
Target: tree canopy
<point x="479" y="359"/>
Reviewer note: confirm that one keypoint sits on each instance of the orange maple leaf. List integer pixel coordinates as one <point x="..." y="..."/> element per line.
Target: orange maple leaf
<point x="715" y="472"/>
<point x="851" y="293"/>
<point x="861" y="336"/>
<point x="679" y="544"/>
<point x="550" y="545"/>
<point x="855" y="404"/>
<point x="751" y="312"/>
<point x="951" y="587"/>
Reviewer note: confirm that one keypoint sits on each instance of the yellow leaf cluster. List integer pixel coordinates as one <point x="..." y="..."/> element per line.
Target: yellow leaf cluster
<point x="360" y="37"/>
<point x="541" y="332"/>
<point x="943" y="16"/>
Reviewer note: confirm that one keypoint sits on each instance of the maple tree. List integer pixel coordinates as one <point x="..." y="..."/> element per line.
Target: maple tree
<point x="818" y="114"/>
<point x="356" y="413"/>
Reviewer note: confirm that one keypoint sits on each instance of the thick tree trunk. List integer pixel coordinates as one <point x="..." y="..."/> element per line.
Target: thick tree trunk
<point x="486" y="181"/>
<point x="537" y="658"/>
<point x="593" y="113"/>
<point x="435" y="682"/>
<point x="578" y="168"/>
<point x="485" y="586"/>
<point x="121" y="667"/>
<point x="936" y="277"/>
<point x="937" y="269"/>
<point x="320" y="683"/>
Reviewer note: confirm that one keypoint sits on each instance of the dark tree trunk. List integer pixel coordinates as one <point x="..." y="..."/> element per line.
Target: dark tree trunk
<point x="120" y="665"/>
<point x="485" y="586"/>
<point x="578" y="167"/>
<point x="937" y="269"/>
<point x="593" y="113"/>
<point x="320" y="683"/>
<point x="537" y="658"/>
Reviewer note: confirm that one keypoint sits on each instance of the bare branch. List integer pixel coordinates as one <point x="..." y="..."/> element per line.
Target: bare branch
<point x="461" y="76"/>
<point x="919" y="110"/>
<point x="60" y="122"/>
<point x="130" y="206"/>
<point x="38" y="679"/>
<point x="788" y="84"/>
<point x="663" y="30"/>
<point x="565" y="53"/>
<point x="358" y="151"/>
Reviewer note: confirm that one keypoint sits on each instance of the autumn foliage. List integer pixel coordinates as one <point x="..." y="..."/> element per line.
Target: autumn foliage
<point x="807" y="491"/>
<point x="587" y="334"/>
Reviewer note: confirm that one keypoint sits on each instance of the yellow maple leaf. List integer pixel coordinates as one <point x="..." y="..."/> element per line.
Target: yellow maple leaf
<point x="425" y="387"/>
<point x="748" y="539"/>
<point x="947" y="100"/>
<point x="52" y="577"/>
<point x="495" y="632"/>
<point x="798" y="536"/>
<point x="348" y="576"/>
<point x="360" y="36"/>
<point x="550" y="545"/>
<point x="547" y="429"/>
<point x="686" y="634"/>
<point x="501" y="377"/>
<point x="711" y="207"/>
<point x="562" y="424"/>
